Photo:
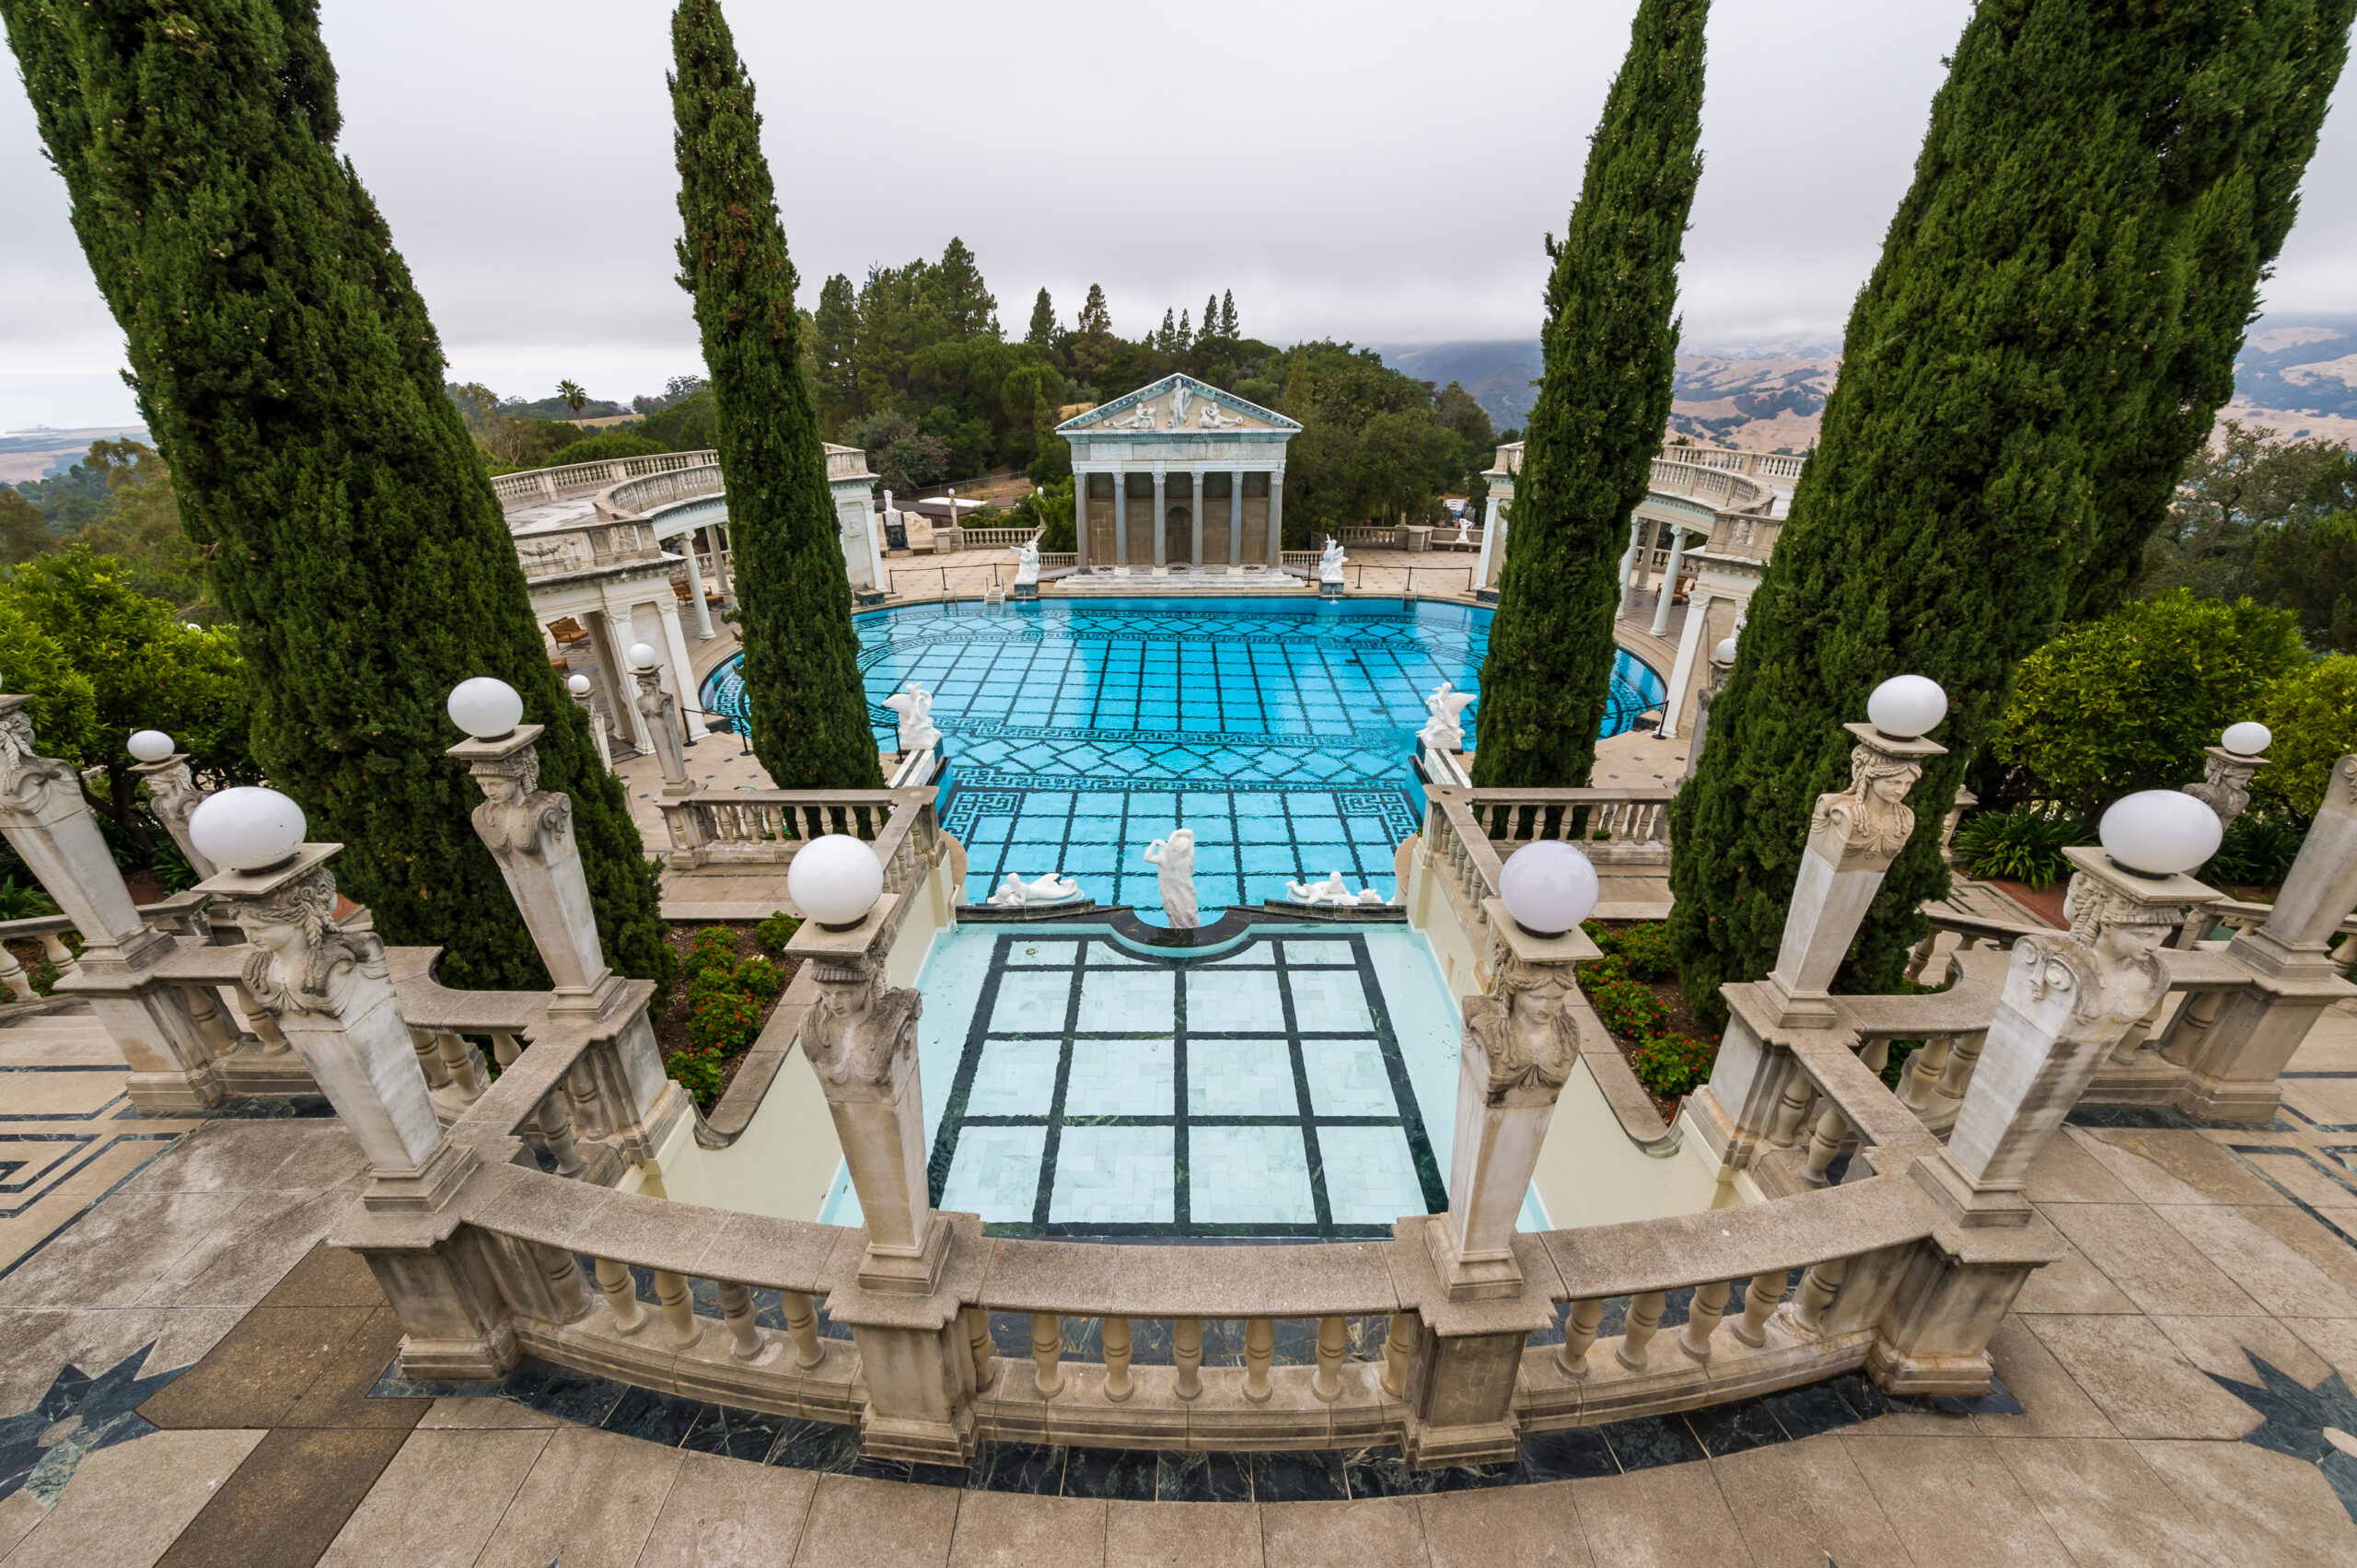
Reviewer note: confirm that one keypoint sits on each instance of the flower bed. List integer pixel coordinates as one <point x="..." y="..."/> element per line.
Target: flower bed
<point x="1634" y="988"/>
<point x="730" y="979"/>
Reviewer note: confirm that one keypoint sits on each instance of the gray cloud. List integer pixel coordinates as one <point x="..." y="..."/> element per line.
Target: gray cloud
<point x="1377" y="170"/>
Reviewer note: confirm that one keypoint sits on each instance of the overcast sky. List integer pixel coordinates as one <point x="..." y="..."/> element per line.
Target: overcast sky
<point x="1375" y="170"/>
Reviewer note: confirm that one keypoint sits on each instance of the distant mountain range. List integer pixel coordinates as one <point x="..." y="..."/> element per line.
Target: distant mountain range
<point x="2297" y="373"/>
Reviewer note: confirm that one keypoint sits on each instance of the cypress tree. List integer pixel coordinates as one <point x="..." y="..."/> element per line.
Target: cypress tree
<point x="292" y="380"/>
<point x="809" y="716"/>
<point x="1610" y="346"/>
<point x="2016" y="347"/>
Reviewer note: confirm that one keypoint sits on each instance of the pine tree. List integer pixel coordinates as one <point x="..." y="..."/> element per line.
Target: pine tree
<point x="1211" y="317"/>
<point x="1042" y="333"/>
<point x="1167" y="340"/>
<point x="1610" y="345"/>
<point x="2010" y="355"/>
<point x="1095" y="319"/>
<point x="1186" y="338"/>
<point x="835" y="327"/>
<point x="809" y="713"/>
<point x="955" y="292"/>
<point x="295" y="384"/>
<point x="1227" y="328"/>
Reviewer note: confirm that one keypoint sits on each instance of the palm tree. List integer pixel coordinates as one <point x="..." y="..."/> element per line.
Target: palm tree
<point x="575" y="398"/>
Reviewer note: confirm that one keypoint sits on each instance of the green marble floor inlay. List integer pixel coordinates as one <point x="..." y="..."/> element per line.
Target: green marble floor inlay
<point x="1263" y="1093"/>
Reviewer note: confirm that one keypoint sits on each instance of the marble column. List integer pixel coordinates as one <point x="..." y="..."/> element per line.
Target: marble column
<point x="1235" y="518"/>
<point x="1670" y="580"/>
<point x="1080" y="518"/>
<point x="696" y="606"/>
<point x="1120" y="517"/>
<point x="606" y="638"/>
<point x="1628" y="561"/>
<point x="1195" y="517"/>
<point x="1161" y="519"/>
<point x="1693" y="661"/>
<point x="683" y="680"/>
<point x="1276" y="516"/>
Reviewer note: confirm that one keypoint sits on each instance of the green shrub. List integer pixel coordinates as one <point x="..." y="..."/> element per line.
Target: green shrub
<point x="759" y="979"/>
<point x="2256" y="852"/>
<point x="28" y="901"/>
<point x="698" y="1072"/>
<point x="715" y="947"/>
<point x="2021" y="846"/>
<point x="1673" y="1065"/>
<point x="775" y="932"/>
<point x="604" y="448"/>
<point x="724" y="1021"/>
<point x="1628" y="1009"/>
<point x="2312" y="711"/>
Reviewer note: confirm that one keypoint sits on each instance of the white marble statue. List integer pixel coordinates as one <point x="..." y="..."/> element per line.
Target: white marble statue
<point x="1179" y="398"/>
<point x="1333" y="890"/>
<point x="1330" y="563"/>
<point x="1016" y="893"/>
<point x="1027" y="563"/>
<point x="1175" y="858"/>
<point x="1464" y="530"/>
<point x="1444" y="731"/>
<point x="1141" y="418"/>
<point x="915" y="704"/>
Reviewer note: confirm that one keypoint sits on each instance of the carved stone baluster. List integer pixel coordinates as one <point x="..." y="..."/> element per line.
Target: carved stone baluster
<point x="1762" y="1294"/>
<point x="614" y="1282"/>
<point x="459" y="1060"/>
<point x="12" y="975"/>
<point x="1187" y="1354"/>
<point x="265" y="1028"/>
<point x="429" y="1060"/>
<point x="1260" y="1349"/>
<point x="1116" y="1359"/>
<point x="1579" y="1337"/>
<point x="1964" y="1054"/>
<point x="1334" y="1341"/>
<point x="1398" y="1344"/>
<point x="1789" y="1108"/>
<point x="61" y="957"/>
<point x="1831" y="1131"/>
<point x="1644" y="1318"/>
<point x="581" y="1087"/>
<point x="1923" y="1069"/>
<point x="1702" y="1319"/>
<point x="212" y="1023"/>
<point x="679" y="1308"/>
<point x="1819" y="1287"/>
<point x="562" y="1277"/>
<point x="802" y="1328"/>
<point x="748" y="1344"/>
<point x="1047" y="1352"/>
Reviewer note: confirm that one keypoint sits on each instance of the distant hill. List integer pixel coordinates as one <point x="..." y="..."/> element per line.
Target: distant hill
<point x="39" y="452"/>
<point x="2297" y="373"/>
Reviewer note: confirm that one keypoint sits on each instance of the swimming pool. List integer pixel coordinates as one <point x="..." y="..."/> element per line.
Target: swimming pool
<point x="1078" y="732"/>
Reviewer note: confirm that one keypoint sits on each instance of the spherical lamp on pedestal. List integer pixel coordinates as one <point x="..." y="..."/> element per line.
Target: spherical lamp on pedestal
<point x="577" y="684"/>
<point x="835" y="880"/>
<point x="1906" y="706"/>
<point x="643" y="657"/>
<point x="149" y="745"/>
<point x="2158" y="832"/>
<point x="2247" y="739"/>
<point x="247" y="829"/>
<point x="1725" y="652"/>
<point x="485" y="707"/>
<point x="1549" y="888"/>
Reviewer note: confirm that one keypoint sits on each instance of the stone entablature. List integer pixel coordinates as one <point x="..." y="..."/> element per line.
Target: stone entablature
<point x="1179" y="475"/>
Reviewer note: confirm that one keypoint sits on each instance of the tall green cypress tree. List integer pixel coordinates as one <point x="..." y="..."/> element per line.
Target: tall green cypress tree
<point x="1610" y="347"/>
<point x="2010" y="355"/>
<point x="809" y="716"/>
<point x="293" y="382"/>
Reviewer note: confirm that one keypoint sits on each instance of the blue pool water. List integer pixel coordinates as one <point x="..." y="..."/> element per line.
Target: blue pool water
<point x="1078" y="732"/>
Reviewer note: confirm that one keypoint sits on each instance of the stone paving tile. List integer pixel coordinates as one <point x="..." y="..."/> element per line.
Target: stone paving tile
<point x="125" y="1504"/>
<point x="255" y="1375"/>
<point x="1801" y="1505"/>
<point x="118" y="1251"/>
<point x="2277" y="1277"/>
<point x="484" y="1412"/>
<point x="1531" y="1527"/>
<point x="2065" y="1172"/>
<point x="857" y="1523"/>
<point x="2107" y="1505"/>
<point x="283" y="1505"/>
<point x="2150" y="1260"/>
<point x="721" y="1512"/>
<point x="1382" y="1532"/>
<point x="20" y="1511"/>
<point x="1011" y="1529"/>
<point x="2270" y="1510"/>
<point x="2053" y="1405"/>
<point x="1182" y="1535"/>
<point x="2140" y="1380"/>
<point x="1954" y="1501"/>
<point x="1672" y="1517"/>
<point x="2224" y="1346"/>
<point x="588" y="1502"/>
<point x="439" y="1502"/>
<point x="2169" y="1167"/>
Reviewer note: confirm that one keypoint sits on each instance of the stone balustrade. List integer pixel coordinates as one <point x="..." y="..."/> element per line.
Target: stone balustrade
<point x="560" y="551"/>
<point x="769" y="825"/>
<point x="639" y="497"/>
<point x="1609" y="825"/>
<point x="537" y="485"/>
<point x="949" y="541"/>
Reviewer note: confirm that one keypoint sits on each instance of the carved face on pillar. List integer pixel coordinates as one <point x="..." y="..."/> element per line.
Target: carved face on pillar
<point x="857" y="1030"/>
<point x="2108" y="963"/>
<point x="26" y="779"/>
<point x="302" y="962"/>
<point x="1524" y="1026"/>
<point x="1871" y="818"/>
<point x="515" y="815"/>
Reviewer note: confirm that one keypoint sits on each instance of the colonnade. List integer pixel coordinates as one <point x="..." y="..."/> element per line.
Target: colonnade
<point x="1636" y="561"/>
<point x="1268" y="550"/>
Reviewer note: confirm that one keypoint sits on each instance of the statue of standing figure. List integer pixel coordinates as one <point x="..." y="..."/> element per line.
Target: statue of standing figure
<point x="1444" y="731"/>
<point x="1330" y="563"/>
<point x="1174" y="857"/>
<point x="1464" y="531"/>
<point x="915" y="704"/>
<point x="1027" y="563"/>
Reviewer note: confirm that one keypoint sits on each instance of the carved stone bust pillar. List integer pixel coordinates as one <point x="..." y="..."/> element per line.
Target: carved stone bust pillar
<point x="45" y="818"/>
<point x="661" y="712"/>
<point x="173" y="797"/>
<point x="530" y="832"/>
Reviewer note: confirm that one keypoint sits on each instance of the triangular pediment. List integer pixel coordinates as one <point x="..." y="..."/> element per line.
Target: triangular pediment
<point x="1178" y="403"/>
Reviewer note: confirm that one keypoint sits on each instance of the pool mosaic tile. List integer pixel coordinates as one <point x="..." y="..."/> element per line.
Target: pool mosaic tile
<point x="1128" y="1095"/>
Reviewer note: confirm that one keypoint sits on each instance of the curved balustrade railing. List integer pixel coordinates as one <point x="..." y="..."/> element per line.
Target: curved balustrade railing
<point x="534" y="486"/>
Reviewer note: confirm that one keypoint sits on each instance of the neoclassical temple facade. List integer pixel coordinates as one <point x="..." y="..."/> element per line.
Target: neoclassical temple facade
<point x="1180" y="477"/>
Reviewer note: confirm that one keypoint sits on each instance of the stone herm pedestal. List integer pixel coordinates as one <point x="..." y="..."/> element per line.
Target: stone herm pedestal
<point x="1519" y="1044"/>
<point x="661" y="712"/>
<point x="173" y="798"/>
<point x="48" y="821"/>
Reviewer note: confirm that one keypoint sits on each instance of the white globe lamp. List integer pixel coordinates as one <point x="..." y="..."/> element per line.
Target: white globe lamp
<point x="1549" y="888"/>
<point x="577" y="684"/>
<point x="1905" y="706"/>
<point x="150" y="745"/>
<point x="247" y="829"/>
<point x="835" y="880"/>
<point x="641" y="656"/>
<point x="1725" y="652"/>
<point x="485" y="707"/>
<point x="2160" y="831"/>
<point x="2248" y="738"/>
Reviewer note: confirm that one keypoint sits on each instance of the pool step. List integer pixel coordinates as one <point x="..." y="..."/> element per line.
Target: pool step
<point x="1180" y="580"/>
